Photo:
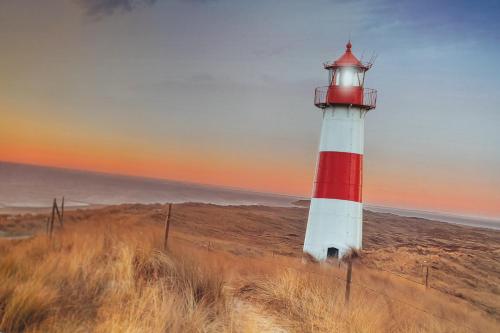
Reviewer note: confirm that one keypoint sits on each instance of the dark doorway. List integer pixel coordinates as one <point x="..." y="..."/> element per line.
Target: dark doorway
<point x="332" y="252"/>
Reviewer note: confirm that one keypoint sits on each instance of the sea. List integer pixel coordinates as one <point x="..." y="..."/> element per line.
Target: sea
<point x="31" y="186"/>
<point x="471" y="221"/>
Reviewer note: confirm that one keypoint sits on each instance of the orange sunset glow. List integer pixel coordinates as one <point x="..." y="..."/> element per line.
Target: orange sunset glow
<point x="37" y="141"/>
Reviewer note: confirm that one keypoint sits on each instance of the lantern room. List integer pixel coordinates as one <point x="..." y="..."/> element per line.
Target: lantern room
<point x="346" y="84"/>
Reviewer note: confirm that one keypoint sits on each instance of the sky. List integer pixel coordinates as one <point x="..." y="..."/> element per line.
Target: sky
<point x="221" y="92"/>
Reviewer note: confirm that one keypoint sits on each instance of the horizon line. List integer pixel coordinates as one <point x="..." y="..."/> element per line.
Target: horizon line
<point x="247" y="190"/>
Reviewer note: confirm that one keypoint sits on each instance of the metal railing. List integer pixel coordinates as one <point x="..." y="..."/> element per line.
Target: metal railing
<point x="366" y="65"/>
<point x="369" y="98"/>
<point x="320" y="96"/>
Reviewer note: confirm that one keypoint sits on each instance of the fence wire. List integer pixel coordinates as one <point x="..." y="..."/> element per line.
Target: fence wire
<point x="381" y="293"/>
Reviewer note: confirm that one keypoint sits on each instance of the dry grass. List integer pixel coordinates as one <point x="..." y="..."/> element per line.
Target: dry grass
<point x="105" y="279"/>
<point x="314" y="302"/>
<point x="106" y="273"/>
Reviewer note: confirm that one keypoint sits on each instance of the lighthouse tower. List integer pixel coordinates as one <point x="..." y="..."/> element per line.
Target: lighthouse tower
<point x="335" y="220"/>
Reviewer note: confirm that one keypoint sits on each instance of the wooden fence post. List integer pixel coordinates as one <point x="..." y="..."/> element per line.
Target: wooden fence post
<point x="62" y="212"/>
<point x="348" y="281"/>
<point x="59" y="217"/>
<point x="427" y="276"/>
<point x="167" y="226"/>
<point x="51" y="229"/>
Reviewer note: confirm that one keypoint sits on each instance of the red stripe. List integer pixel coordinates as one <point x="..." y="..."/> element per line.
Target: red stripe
<point x="339" y="176"/>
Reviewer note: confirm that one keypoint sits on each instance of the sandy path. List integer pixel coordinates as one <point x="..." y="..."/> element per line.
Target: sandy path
<point x="254" y="319"/>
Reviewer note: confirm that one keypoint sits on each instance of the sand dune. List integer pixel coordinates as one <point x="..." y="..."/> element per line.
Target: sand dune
<point x="463" y="260"/>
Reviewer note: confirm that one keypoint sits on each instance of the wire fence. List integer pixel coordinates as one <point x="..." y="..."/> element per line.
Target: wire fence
<point x="348" y="281"/>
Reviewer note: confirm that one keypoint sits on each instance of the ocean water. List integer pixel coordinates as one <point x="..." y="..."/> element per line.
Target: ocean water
<point x="473" y="221"/>
<point x="32" y="186"/>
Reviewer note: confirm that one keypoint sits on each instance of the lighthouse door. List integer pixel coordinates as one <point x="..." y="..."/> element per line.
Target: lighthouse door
<point x="332" y="252"/>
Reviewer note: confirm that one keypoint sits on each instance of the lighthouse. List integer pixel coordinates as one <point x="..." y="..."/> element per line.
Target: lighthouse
<point x="335" y="221"/>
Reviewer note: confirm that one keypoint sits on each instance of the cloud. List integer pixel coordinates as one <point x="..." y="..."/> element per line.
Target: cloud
<point x="99" y="8"/>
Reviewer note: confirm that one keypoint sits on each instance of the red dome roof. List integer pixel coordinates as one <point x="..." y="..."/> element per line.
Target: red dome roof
<point x="348" y="59"/>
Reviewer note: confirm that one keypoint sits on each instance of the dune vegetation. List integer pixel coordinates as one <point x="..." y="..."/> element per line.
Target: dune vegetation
<point x="113" y="275"/>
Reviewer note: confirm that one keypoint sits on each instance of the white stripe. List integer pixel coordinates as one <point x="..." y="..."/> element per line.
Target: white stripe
<point x="333" y="223"/>
<point x="343" y="129"/>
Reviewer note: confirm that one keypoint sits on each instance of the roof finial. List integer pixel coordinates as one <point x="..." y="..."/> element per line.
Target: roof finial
<point x="348" y="45"/>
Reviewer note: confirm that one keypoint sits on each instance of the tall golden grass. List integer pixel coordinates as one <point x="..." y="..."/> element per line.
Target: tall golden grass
<point x="104" y="279"/>
<point x="113" y="277"/>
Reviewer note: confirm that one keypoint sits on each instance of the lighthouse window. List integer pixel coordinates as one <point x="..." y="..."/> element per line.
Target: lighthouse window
<point x="348" y="77"/>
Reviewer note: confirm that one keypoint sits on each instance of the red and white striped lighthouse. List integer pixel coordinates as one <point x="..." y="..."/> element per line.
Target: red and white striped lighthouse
<point x="336" y="212"/>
